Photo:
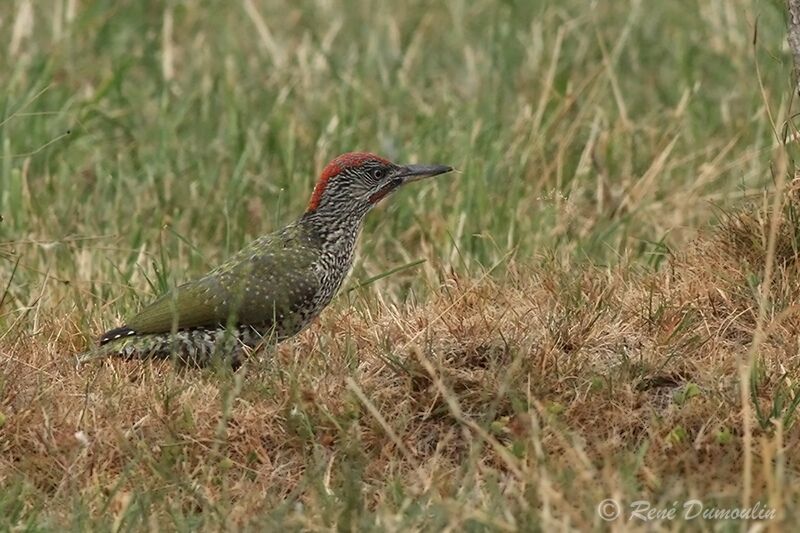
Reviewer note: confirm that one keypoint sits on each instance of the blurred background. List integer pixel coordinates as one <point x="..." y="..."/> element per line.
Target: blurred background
<point x="142" y="142"/>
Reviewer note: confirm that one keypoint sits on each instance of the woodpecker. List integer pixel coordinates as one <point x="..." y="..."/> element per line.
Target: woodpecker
<point x="275" y="286"/>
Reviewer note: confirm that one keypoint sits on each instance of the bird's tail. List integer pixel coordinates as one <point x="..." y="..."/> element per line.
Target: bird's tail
<point x="97" y="352"/>
<point x="195" y="347"/>
<point x="120" y="342"/>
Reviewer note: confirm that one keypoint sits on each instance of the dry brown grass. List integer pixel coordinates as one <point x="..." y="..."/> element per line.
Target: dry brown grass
<point x="505" y="402"/>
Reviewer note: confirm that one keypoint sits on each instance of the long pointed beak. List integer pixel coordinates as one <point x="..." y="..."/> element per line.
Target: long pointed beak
<point x="407" y="174"/>
<point x="411" y="173"/>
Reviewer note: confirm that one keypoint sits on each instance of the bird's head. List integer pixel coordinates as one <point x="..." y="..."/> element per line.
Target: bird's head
<point x="357" y="181"/>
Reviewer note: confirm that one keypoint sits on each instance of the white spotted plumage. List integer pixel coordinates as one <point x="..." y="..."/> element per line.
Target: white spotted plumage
<point x="275" y="286"/>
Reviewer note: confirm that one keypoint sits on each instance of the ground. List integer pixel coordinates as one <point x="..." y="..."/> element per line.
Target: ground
<point x="599" y="305"/>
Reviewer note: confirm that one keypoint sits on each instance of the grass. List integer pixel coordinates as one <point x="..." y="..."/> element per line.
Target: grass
<point x="601" y="304"/>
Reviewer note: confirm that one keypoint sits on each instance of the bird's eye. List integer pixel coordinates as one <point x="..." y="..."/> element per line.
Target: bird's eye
<point x="378" y="173"/>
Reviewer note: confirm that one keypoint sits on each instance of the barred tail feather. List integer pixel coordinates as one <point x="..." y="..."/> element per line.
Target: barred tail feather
<point x="195" y="347"/>
<point x="115" y="334"/>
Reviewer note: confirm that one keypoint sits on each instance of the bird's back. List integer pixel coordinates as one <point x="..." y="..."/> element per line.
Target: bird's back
<point x="268" y="283"/>
<point x="269" y="289"/>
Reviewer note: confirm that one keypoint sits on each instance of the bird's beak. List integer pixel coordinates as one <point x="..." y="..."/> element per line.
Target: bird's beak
<point x="407" y="174"/>
<point x="411" y="173"/>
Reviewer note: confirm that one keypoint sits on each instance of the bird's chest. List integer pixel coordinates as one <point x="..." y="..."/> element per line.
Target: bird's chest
<point x="333" y="267"/>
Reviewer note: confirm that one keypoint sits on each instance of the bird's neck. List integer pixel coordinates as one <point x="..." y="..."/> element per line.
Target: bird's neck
<point x="335" y="231"/>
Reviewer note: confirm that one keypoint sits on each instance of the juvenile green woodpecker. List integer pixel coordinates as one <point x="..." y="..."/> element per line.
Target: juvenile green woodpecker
<point x="277" y="284"/>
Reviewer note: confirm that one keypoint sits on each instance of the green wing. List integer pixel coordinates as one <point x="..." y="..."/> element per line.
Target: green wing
<point x="262" y="284"/>
<point x="187" y="306"/>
